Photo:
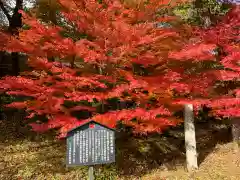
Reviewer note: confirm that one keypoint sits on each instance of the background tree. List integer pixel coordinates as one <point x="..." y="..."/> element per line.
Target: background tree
<point x="202" y="12"/>
<point x="15" y="22"/>
<point x="224" y="101"/>
<point x="47" y="10"/>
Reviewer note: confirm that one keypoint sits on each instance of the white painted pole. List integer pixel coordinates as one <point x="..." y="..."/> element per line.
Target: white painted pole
<point x="90" y="173"/>
<point x="190" y="138"/>
<point x="236" y="132"/>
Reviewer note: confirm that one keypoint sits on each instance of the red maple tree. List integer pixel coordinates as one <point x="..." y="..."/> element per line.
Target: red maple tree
<point x="124" y="52"/>
<point x="224" y="97"/>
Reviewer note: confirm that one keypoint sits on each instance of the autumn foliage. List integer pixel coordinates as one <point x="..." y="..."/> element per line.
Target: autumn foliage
<point x="224" y="96"/>
<point x="118" y="51"/>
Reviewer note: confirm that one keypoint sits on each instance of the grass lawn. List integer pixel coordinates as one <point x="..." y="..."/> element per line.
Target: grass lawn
<point x="30" y="156"/>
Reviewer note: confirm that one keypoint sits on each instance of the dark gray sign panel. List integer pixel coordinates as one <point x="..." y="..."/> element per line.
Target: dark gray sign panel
<point x="90" y="144"/>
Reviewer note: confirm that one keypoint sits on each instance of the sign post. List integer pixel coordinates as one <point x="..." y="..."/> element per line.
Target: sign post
<point x="90" y="144"/>
<point x="90" y="173"/>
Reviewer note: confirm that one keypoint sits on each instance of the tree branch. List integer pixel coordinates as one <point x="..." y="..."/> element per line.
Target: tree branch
<point x="5" y="11"/>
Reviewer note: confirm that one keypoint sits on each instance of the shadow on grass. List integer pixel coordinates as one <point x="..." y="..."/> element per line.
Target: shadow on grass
<point x="28" y="155"/>
<point x="140" y="155"/>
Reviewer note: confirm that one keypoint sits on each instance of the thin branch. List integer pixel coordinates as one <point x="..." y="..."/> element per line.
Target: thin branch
<point x="5" y="11"/>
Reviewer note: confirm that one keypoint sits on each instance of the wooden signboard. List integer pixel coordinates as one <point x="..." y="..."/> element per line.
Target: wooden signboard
<point x="90" y="144"/>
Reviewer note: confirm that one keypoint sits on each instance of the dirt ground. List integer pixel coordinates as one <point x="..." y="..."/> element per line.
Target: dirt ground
<point x="223" y="163"/>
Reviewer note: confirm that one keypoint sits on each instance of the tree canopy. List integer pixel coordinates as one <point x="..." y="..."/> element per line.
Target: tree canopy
<point x="106" y="50"/>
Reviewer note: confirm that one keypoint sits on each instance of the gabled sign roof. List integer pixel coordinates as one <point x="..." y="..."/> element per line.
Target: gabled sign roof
<point x="91" y="121"/>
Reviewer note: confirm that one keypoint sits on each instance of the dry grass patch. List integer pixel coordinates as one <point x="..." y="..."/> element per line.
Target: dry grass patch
<point x="222" y="164"/>
<point x="29" y="156"/>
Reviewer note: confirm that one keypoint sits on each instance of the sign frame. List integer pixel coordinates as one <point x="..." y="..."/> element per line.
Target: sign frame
<point x="108" y="137"/>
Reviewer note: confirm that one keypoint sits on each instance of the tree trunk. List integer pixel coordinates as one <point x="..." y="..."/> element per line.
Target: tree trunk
<point x="15" y="64"/>
<point x="14" y="24"/>
<point x="47" y="10"/>
<point x="53" y="12"/>
<point x="190" y="139"/>
<point x="73" y="62"/>
<point x="2" y="57"/>
<point x="51" y="59"/>
<point x="236" y="131"/>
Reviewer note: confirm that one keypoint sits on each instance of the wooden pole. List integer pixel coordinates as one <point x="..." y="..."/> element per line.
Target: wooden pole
<point x="90" y="173"/>
<point x="236" y="131"/>
<point x="190" y="138"/>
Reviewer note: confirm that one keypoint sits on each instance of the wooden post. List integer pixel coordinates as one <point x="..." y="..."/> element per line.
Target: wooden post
<point x="190" y="138"/>
<point x="235" y="122"/>
<point x="236" y="133"/>
<point x="90" y="173"/>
